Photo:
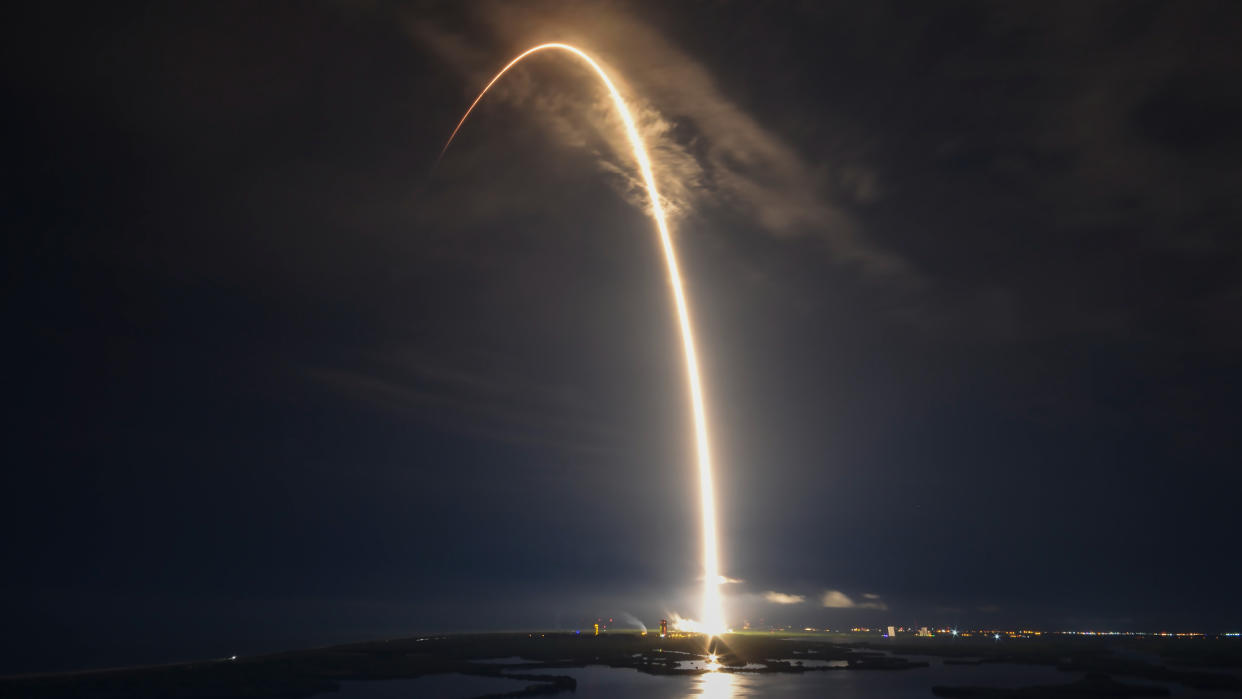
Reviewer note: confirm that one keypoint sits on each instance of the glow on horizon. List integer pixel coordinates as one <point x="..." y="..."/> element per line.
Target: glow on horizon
<point x="712" y="615"/>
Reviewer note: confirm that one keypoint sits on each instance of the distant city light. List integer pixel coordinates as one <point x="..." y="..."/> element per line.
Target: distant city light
<point x="998" y="634"/>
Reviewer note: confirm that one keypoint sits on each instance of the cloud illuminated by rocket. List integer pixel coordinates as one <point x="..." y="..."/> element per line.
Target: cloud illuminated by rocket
<point x="835" y="599"/>
<point x="720" y="155"/>
<point x="783" y="598"/>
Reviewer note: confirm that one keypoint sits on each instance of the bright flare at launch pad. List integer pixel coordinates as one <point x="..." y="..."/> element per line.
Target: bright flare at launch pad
<point x="712" y="614"/>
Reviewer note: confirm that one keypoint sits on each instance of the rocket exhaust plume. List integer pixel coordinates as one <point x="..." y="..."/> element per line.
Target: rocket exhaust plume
<point x="712" y="612"/>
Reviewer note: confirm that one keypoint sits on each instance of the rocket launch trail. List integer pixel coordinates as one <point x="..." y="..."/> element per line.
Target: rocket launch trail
<point x="712" y="614"/>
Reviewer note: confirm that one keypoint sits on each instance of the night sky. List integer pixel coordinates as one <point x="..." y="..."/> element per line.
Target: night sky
<point x="966" y="282"/>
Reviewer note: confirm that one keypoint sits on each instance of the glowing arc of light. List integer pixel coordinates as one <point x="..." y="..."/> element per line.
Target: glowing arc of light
<point x="712" y="614"/>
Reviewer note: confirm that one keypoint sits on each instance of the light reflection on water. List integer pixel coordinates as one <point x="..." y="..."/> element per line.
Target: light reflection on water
<point x="715" y="685"/>
<point x="602" y="682"/>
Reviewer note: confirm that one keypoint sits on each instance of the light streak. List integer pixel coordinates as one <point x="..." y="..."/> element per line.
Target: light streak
<point x="712" y="611"/>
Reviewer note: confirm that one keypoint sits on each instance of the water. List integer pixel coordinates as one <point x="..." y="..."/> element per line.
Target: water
<point x="447" y="686"/>
<point x="610" y="683"/>
<point x="597" y="681"/>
